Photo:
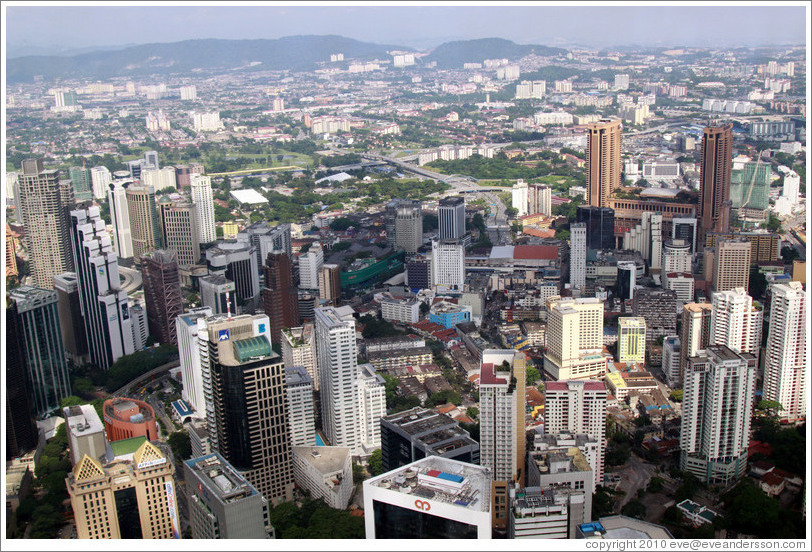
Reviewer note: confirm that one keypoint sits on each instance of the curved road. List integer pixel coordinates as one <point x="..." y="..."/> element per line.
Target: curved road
<point x="130" y="279"/>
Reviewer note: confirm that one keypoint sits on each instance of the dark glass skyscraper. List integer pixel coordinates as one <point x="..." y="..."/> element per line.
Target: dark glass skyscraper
<point x="162" y="293"/>
<point x="600" y="226"/>
<point x="21" y="433"/>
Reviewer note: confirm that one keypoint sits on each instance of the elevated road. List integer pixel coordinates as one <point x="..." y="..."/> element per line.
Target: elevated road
<point x="130" y="279"/>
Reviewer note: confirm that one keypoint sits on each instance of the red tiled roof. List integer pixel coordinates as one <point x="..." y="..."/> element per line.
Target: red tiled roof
<point x="562" y="385"/>
<point x="535" y="252"/>
<point x="488" y="375"/>
<point x="463" y="419"/>
<point x="772" y="479"/>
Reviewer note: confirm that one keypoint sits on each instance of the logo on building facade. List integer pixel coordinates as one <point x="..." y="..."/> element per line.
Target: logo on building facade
<point x="422" y="505"/>
<point x="224" y="335"/>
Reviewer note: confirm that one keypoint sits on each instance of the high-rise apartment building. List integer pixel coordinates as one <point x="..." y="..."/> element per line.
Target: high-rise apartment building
<point x="338" y="377"/>
<point x="719" y="390"/>
<point x="222" y="503"/>
<point x="186" y="328"/>
<point x="518" y="197"/>
<point x="659" y="308"/>
<point x="120" y="216"/>
<point x="671" y="359"/>
<point x="69" y="306"/>
<point x="201" y="194"/>
<point x="647" y="239"/>
<point x="736" y="321"/>
<point x="246" y="377"/>
<point x="162" y="293"/>
<point x="105" y="307"/>
<point x="309" y="265"/>
<point x="631" y="339"/>
<point x="144" y="224"/>
<point x="280" y="298"/>
<point x="786" y="360"/>
<point x="100" y="178"/>
<point x="301" y="411"/>
<point x="125" y="499"/>
<point x="603" y="165"/>
<point x="21" y="432"/>
<point x="695" y="334"/>
<point x="716" y="165"/>
<point x="409" y="226"/>
<point x="447" y="265"/>
<point x="451" y="218"/>
<point x="371" y="407"/>
<point x="82" y="183"/>
<point x="578" y="255"/>
<point x="731" y="265"/>
<point x="676" y="256"/>
<point x="330" y="283"/>
<point x="299" y="349"/>
<point x="43" y="202"/>
<point x="574" y="338"/>
<point x="600" y="226"/>
<point x="180" y="231"/>
<point x="578" y="407"/>
<point x="539" y="199"/>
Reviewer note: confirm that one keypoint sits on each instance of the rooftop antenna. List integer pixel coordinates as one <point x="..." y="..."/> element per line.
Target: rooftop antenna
<point x="228" y="304"/>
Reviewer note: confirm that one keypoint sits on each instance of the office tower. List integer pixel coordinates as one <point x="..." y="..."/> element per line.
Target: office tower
<point x="280" y="297"/>
<point x="125" y="499"/>
<point x="21" y="432"/>
<point x="578" y="255"/>
<point x="659" y="308"/>
<point x="713" y="212"/>
<point x="626" y="280"/>
<point x="671" y="360"/>
<point x="151" y="160"/>
<point x="338" y="375"/>
<point x="82" y="182"/>
<point x="105" y="307"/>
<point x="736" y="321"/>
<point x="309" y="265"/>
<point x="371" y="407"/>
<point x="603" y="165"/>
<point x="719" y="390"/>
<point x="217" y="293"/>
<point x="418" y="274"/>
<point x="266" y="238"/>
<point x="330" y="283"/>
<point x="100" y="178"/>
<point x="647" y="239"/>
<point x="453" y="501"/>
<point x="180" y="231"/>
<point x="120" y="217"/>
<point x="85" y="433"/>
<point x="447" y="265"/>
<point x="301" y="411"/>
<point x="135" y="167"/>
<point x="539" y="199"/>
<point x="183" y="176"/>
<point x="69" y="306"/>
<point x="162" y="293"/>
<point x="451" y="217"/>
<point x="307" y="306"/>
<point x="574" y="338"/>
<point x="418" y="432"/>
<point x="518" y="198"/>
<point x="140" y="326"/>
<point x="299" y="349"/>
<point x="144" y="223"/>
<point x="631" y="339"/>
<point x="676" y="256"/>
<point x="186" y="329"/>
<point x="246" y="377"/>
<point x="222" y="503"/>
<point x="201" y="194"/>
<point x="42" y="348"/>
<point x="409" y="226"/>
<point x="731" y="264"/>
<point x="785" y="366"/>
<point x="236" y="260"/>
<point x="695" y="334"/>
<point x="325" y="473"/>
<point x="43" y="202"/>
<point x="684" y="229"/>
<point x="600" y="226"/>
<point x="577" y="407"/>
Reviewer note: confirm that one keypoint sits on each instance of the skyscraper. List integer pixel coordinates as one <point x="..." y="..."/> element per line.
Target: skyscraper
<point x="603" y="165"/>
<point x="786" y="360"/>
<point x="447" y="265"/>
<point x="647" y="239"/>
<point x="301" y="414"/>
<point x="180" y="231"/>
<point x="144" y="223"/>
<point x="201" y="193"/>
<point x="105" y="307"/>
<point x="309" y="265"/>
<point x="539" y="199"/>
<point x="451" y="217"/>
<point x="695" y="335"/>
<point x="518" y="197"/>
<point x="659" y="308"/>
<point x="236" y="260"/>
<point x="574" y="338"/>
<point x="338" y="374"/>
<point x="162" y="293"/>
<point x="731" y="264"/>
<point x="186" y="328"/>
<point x="578" y="255"/>
<point x="299" y="349"/>
<point x="684" y="229"/>
<point x="409" y="226"/>
<point x="371" y="407"/>
<point x="120" y="215"/>
<point x="719" y="390"/>
<point x="246" y="377"/>
<point x="330" y="283"/>
<point x="631" y="339"/>
<point x="21" y="432"/>
<point x="100" y="178"/>
<point x="82" y="182"/>
<point x="39" y="336"/>
<point x="736" y="321"/>
<point x="43" y="201"/>
<point x="69" y="305"/>
<point x="600" y="226"/>
<point x="716" y="164"/>
<point x="280" y="297"/>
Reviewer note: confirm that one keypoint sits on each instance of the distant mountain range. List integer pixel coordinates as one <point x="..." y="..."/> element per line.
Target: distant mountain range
<point x="294" y="53"/>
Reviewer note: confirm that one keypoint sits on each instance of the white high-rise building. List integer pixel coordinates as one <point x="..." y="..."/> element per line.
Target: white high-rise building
<point x="502" y="414"/>
<point x="301" y="412"/>
<point x="578" y="407"/>
<point x="785" y="363"/>
<point x="578" y="255"/>
<point x="676" y="256"/>
<point x="188" y="92"/>
<point x="202" y="197"/>
<point x="792" y="187"/>
<point x="299" y="349"/>
<point x="371" y="407"/>
<point x="447" y="265"/>
<point x="719" y="390"/>
<point x="647" y="238"/>
<point x="206" y="122"/>
<point x="539" y="199"/>
<point x="160" y="179"/>
<point x="310" y="264"/>
<point x="120" y="215"/>
<point x="100" y="177"/>
<point x="670" y="366"/>
<point x="189" y="353"/>
<point x="337" y="354"/>
<point x="574" y="338"/>
<point x="519" y="197"/>
<point x="736" y="321"/>
<point x="531" y="89"/>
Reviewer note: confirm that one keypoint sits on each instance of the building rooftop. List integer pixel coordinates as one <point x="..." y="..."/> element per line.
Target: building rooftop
<point x="126" y="447"/>
<point x="457" y="483"/>
<point x="565" y="385"/>
<point x="297" y="375"/>
<point x="327" y="460"/>
<point x="623" y="527"/>
<point x="83" y="420"/>
<point x="220" y="478"/>
<point x="538" y="252"/>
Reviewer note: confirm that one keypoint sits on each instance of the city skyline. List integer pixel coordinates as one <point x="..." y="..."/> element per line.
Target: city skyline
<point x="729" y="25"/>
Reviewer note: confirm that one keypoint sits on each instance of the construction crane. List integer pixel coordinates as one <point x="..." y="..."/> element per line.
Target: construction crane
<point x="752" y="181"/>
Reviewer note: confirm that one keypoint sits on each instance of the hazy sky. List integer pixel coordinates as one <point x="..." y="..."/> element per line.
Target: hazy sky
<point x="54" y="28"/>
